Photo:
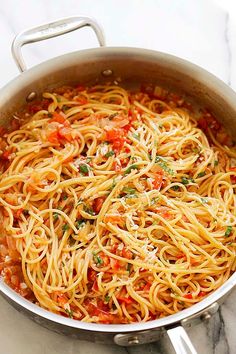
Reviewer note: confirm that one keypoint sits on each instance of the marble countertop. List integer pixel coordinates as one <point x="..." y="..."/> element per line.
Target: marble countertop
<point x="200" y="31"/>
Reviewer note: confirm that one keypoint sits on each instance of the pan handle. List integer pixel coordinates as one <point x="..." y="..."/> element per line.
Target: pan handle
<point x="51" y="30"/>
<point x="180" y="341"/>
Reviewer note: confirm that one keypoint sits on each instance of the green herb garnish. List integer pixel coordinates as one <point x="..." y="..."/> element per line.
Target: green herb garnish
<point x="65" y="108"/>
<point x="89" y="210"/>
<point x="110" y="153"/>
<point x="69" y="313"/>
<point x="107" y="298"/>
<point x="129" y="190"/>
<point x="130" y="168"/>
<point x="55" y="216"/>
<point x="129" y="267"/>
<point x="216" y="163"/>
<point x="79" y="223"/>
<point x="175" y="188"/>
<point x="136" y="136"/>
<point x="65" y="197"/>
<point x="201" y="174"/>
<point x="98" y="260"/>
<point x="185" y="180"/>
<point x="163" y="164"/>
<point x="65" y="227"/>
<point x="113" y="185"/>
<point x="228" y="231"/>
<point x="113" y="115"/>
<point x="154" y="200"/>
<point x="84" y="170"/>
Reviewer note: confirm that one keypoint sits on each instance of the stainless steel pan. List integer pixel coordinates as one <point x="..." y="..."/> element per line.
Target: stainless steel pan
<point x="132" y="66"/>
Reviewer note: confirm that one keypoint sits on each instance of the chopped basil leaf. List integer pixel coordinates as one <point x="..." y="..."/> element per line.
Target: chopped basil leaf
<point x="107" y="298"/>
<point x="89" y="210"/>
<point x="113" y="115"/>
<point x="216" y="163"/>
<point x="129" y="190"/>
<point x="55" y="216"/>
<point x="154" y="200"/>
<point x="130" y="168"/>
<point x="79" y="223"/>
<point x="113" y="185"/>
<point x="98" y="260"/>
<point x="228" y="231"/>
<point x="129" y="267"/>
<point x="201" y="174"/>
<point x="175" y="188"/>
<point x="110" y="153"/>
<point x="84" y="170"/>
<point x="69" y="313"/>
<point x="58" y="99"/>
<point x="64" y="108"/>
<point x="65" y="197"/>
<point x="65" y="227"/>
<point x="136" y="136"/>
<point x="185" y="180"/>
<point x="163" y="165"/>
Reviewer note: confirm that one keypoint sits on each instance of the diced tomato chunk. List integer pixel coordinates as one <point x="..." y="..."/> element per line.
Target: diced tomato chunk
<point x="53" y="137"/>
<point x="65" y="133"/>
<point x="57" y="117"/>
<point x="157" y="183"/>
<point x="164" y="212"/>
<point x="126" y="300"/>
<point x="115" y="264"/>
<point x="92" y="274"/>
<point x="188" y="296"/>
<point x="112" y="135"/>
<point x="113" y="218"/>
<point x="127" y="253"/>
<point x="202" y="293"/>
<point x="97" y="204"/>
<point x="95" y="285"/>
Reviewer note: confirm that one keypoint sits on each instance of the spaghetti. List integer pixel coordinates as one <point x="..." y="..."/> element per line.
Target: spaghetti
<point x="116" y="207"/>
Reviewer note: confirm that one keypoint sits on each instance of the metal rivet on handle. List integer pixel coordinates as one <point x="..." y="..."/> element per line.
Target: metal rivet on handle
<point x="107" y="72"/>
<point x="206" y="317"/>
<point x="31" y="96"/>
<point x="133" y="340"/>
